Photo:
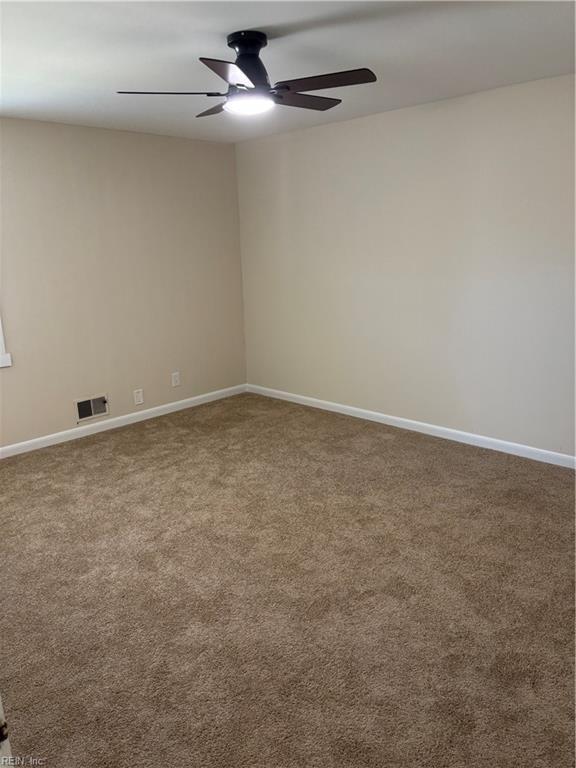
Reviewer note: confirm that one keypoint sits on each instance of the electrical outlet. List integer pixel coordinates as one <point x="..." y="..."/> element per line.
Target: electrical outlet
<point x="176" y="379"/>
<point x="138" y="396"/>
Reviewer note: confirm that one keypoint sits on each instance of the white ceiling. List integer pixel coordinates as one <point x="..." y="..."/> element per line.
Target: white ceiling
<point x="63" y="61"/>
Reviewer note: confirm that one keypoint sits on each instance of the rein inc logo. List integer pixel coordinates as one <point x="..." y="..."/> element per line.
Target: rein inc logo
<point x="22" y="760"/>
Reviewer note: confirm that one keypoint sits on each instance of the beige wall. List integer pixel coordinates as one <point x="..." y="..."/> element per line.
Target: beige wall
<point x="417" y="262"/>
<point x="420" y="263"/>
<point x="120" y="264"/>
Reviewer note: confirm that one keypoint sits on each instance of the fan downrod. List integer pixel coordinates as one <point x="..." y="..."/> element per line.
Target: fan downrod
<point x="247" y="45"/>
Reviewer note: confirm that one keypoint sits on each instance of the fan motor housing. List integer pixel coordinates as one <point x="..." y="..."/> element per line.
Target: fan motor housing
<point x="248" y="44"/>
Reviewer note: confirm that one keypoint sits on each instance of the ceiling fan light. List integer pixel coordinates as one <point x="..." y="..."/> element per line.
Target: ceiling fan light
<point x="249" y="104"/>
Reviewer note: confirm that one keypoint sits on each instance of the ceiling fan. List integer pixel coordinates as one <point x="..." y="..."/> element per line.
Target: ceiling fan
<point x="249" y="90"/>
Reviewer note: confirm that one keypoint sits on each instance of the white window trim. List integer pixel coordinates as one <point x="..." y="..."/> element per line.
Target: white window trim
<point x="5" y="357"/>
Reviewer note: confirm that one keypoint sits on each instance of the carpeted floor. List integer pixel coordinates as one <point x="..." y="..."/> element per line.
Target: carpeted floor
<point x="255" y="584"/>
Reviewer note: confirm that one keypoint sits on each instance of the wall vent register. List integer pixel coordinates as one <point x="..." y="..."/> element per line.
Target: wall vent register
<point x="91" y="408"/>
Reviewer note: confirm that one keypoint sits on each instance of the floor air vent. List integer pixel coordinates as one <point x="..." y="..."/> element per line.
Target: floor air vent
<point x="89" y="409"/>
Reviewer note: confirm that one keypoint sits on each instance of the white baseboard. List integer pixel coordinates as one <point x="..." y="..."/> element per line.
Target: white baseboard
<point x="526" y="451"/>
<point x="117" y="421"/>
<point x="517" y="449"/>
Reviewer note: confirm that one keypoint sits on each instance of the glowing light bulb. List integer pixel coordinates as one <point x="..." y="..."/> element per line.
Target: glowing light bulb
<point x="249" y="104"/>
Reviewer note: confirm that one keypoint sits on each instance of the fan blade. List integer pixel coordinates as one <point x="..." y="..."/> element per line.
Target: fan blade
<point x="305" y="101"/>
<point x="331" y="80"/>
<point x="228" y="71"/>
<point x="174" y="93"/>
<point x="212" y="111"/>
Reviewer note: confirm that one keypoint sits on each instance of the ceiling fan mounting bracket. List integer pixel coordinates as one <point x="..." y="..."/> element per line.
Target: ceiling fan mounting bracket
<point x="247" y="41"/>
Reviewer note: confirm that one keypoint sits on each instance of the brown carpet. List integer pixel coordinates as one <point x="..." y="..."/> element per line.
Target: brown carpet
<point x="255" y="584"/>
